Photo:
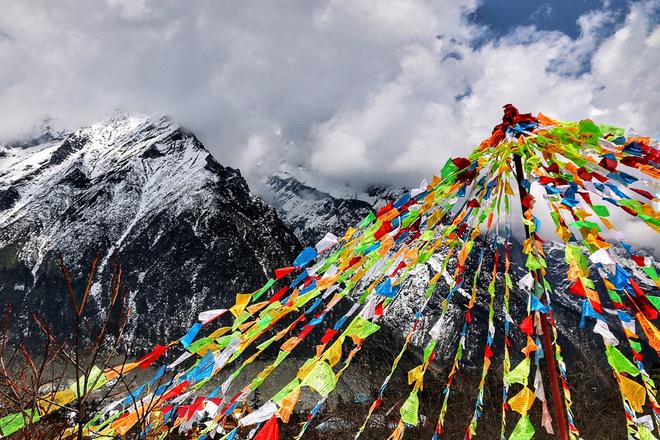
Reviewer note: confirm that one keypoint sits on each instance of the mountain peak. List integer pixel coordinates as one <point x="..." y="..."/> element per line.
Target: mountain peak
<point x="148" y="189"/>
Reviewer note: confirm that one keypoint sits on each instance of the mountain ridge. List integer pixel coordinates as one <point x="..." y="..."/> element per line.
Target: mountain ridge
<point x="148" y="189"/>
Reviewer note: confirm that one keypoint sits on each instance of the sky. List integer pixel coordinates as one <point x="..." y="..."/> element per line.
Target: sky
<point x="353" y="92"/>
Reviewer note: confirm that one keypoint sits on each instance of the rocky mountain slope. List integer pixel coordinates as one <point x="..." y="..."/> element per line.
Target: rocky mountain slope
<point x="310" y="212"/>
<point x="187" y="230"/>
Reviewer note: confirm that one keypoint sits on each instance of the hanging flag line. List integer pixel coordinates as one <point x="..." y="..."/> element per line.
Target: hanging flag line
<point x="459" y="221"/>
<point x="435" y="331"/>
<point x="555" y="339"/>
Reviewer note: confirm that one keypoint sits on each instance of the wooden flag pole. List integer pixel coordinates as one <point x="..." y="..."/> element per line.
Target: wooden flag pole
<point x="548" y="350"/>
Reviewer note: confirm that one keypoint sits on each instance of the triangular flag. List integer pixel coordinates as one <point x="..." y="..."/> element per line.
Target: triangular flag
<point x="524" y="429"/>
<point x="270" y="431"/>
<point x="242" y="300"/>
<point x="520" y="373"/>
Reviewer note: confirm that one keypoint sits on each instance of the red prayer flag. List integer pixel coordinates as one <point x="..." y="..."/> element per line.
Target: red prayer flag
<point x="608" y="164"/>
<point x="553" y="168"/>
<point x="280" y="293"/>
<point x="644" y="193"/>
<point x="461" y="162"/>
<point x="578" y="289"/>
<point x="177" y="390"/>
<point x="639" y="259"/>
<point x="379" y="309"/>
<point x="150" y="358"/>
<point x="474" y="203"/>
<point x="385" y="209"/>
<point x="282" y="272"/>
<point x="384" y="229"/>
<point x="329" y="334"/>
<point x="527" y="325"/>
<point x="270" y="431"/>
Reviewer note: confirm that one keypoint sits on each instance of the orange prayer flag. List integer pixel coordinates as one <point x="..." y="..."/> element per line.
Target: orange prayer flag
<point x="288" y="404"/>
<point x="651" y="332"/>
<point x="124" y="424"/>
<point x="113" y="372"/>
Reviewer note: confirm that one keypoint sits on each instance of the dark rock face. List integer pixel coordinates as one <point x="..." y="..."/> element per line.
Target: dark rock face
<point x="188" y="232"/>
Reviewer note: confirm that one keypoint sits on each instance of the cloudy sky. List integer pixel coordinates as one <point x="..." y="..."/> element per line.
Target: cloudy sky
<point x="353" y="91"/>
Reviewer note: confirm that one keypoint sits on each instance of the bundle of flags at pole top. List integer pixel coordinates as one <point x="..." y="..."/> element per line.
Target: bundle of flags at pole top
<point x="585" y="175"/>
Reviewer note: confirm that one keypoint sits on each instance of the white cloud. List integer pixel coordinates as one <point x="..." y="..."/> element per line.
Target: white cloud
<point x="357" y="91"/>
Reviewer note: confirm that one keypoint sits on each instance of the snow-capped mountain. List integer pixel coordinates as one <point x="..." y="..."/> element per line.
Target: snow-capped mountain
<point x="187" y="230"/>
<point x="310" y="212"/>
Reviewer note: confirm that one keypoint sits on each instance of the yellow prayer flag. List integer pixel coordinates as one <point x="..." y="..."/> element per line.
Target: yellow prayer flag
<point x="416" y="376"/>
<point x="522" y="402"/>
<point x="333" y="355"/>
<point x="219" y="332"/>
<point x="634" y="393"/>
<point x="242" y="300"/>
<point x="349" y="233"/>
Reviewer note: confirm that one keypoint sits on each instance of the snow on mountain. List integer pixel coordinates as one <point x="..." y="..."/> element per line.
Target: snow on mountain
<point x="188" y="231"/>
<point x="310" y="212"/>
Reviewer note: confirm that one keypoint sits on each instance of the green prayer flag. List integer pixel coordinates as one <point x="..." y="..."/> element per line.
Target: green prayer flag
<point x="524" y="429"/>
<point x="619" y="362"/>
<point x="263" y="290"/>
<point x="644" y="433"/>
<point x="286" y="390"/>
<point x="244" y="316"/>
<point x="17" y="421"/>
<point x="651" y="272"/>
<point x="409" y="410"/>
<point x="585" y="224"/>
<point x="601" y="210"/>
<point x="449" y="169"/>
<point x="655" y="300"/>
<point x="428" y="350"/>
<point x="635" y="345"/>
<point x="322" y="379"/>
<point x="367" y="220"/>
<point x="424" y="256"/>
<point x="361" y="328"/>
<point x="427" y="235"/>
<point x="93" y="381"/>
<point x="519" y="374"/>
<point x="198" y="344"/>
<point x="532" y="263"/>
